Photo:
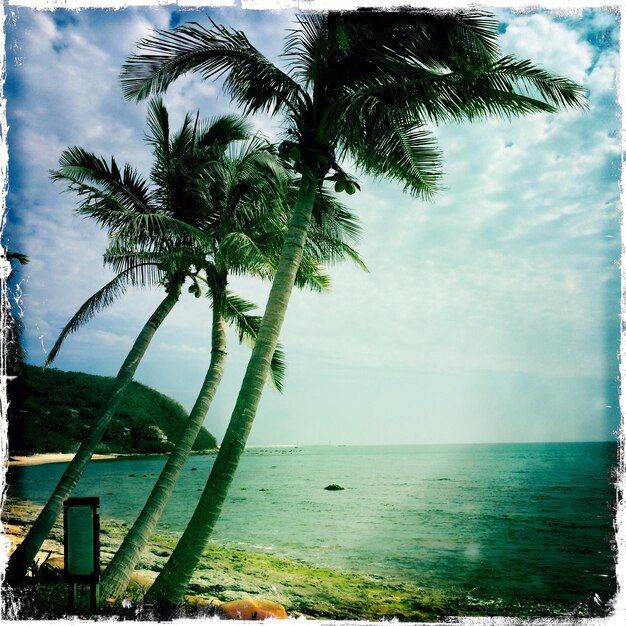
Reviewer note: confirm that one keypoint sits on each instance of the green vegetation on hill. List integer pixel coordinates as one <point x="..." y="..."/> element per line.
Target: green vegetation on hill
<point x="53" y="410"/>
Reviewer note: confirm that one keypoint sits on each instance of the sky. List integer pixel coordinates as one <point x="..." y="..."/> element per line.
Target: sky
<point x="490" y="314"/>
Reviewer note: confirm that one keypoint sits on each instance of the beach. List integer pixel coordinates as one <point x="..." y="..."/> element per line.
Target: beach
<point x="56" y="457"/>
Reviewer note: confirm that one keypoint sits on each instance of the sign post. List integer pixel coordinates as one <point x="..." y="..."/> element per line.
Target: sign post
<point x="81" y="542"/>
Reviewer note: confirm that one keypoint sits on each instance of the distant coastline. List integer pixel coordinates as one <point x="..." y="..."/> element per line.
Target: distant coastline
<point x="16" y="460"/>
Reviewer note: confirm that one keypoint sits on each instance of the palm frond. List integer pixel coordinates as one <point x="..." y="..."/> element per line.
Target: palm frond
<point x="333" y="218"/>
<point x="159" y="127"/>
<point x="505" y="88"/>
<point x="454" y="38"/>
<point x="20" y="257"/>
<point x="329" y="250"/>
<point x="91" y="176"/>
<point x="555" y="90"/>
<point x="388" y="144"/>
<point x="311" y="276"/>
<point x="256" y="185"/>
<point x="145" y="268"/>
<point x="242" y="255"/>
<point x="155" y="230"/>
<point x="235" y="312"/>
<point x="306" y="47"/>
<point x="436" y="40"/>
<point x="221" y="131"/>
<point x="100" y="300"/>
<point x="250" y="78"/>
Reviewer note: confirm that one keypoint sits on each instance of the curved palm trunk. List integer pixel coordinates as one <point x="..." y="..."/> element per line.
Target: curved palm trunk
<point x="26" y="552"/>
<point x="171" y="584"/>
<point x="117" y="575"/>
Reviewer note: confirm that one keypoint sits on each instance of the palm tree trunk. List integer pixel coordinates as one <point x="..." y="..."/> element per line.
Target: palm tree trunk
<point x="27" y="551"/>
<point x="171" y="584"/>
<point x="117" y="575"/>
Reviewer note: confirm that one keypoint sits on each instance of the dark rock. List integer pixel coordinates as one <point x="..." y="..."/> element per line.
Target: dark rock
<point x="334" y="487"/>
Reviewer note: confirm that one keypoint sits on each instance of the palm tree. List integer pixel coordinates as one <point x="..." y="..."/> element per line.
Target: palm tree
<point x="357" y="85"/>
<point x="247" y="230"/>
<point x="164" y="216"/>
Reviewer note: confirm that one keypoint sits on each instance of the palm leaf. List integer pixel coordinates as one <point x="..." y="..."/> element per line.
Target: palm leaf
<point x="310" y="275"/>
<point x="235" y="311"/>
<point x="153" y="229"/>
<point x="100" y="300"/>
<point x="332" y="217"/>
<point x="146" y="268"/>
<point x="159" y="127"/>
<point x="20" y="257"/>
<point x="91" y="175"/>
<point x="502" y="89"/>
<point x="221" y="131"/>
<point x="241" y="254"/>
<point x="251" y="79"/>
<point x="387" y="144"/>
<point x="436" y="40"/>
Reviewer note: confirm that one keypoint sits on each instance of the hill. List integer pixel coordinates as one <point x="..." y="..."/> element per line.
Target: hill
<point x="52" y="410"/>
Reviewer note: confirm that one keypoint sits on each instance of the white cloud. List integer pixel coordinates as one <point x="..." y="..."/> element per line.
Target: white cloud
<point x="549" y="44"/>
<point x="103" y="337"/>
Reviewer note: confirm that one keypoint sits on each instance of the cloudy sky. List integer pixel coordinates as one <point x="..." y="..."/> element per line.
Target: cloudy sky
<point x="488" y="315"/>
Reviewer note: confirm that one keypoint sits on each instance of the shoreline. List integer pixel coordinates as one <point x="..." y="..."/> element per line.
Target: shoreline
<point x="18" y="460"/>
<point x="46" y="458"/>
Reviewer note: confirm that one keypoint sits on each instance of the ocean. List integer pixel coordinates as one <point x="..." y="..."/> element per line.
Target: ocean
<point x="512" y="524"/>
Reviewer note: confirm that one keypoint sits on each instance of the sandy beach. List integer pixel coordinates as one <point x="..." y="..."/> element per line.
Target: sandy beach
<point x="42" y="459"/>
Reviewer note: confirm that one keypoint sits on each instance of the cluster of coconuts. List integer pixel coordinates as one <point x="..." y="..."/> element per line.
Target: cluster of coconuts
<point x="290" y="151"/>
<point x="194" y="288"/>
<point x="345" y="184"/>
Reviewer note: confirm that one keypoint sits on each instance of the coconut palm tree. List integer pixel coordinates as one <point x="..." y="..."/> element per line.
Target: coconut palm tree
<point x="357" y="86"/>
<point x="165" y="215"/>
<point x="238" y="189"/>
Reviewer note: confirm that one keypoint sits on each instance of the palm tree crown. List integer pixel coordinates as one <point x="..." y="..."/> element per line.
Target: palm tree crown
<point x="360" y="87"/>
<point x="207" y="212"/>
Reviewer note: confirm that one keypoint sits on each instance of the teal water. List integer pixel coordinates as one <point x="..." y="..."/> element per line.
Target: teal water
<point x="519" y="524"/>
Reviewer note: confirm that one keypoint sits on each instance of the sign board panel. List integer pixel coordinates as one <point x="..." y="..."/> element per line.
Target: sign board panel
<point x="80" y="559"/>
<point x="82" y="541"/>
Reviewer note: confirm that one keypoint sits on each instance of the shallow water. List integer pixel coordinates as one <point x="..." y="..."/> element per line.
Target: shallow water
<point x="512" y="523"/>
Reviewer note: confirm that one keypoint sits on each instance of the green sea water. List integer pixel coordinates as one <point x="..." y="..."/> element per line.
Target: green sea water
<point x="512" y="524"/>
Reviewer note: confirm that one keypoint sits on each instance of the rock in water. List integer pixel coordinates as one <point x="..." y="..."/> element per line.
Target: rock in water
<point x="334" y="487"/>
<point x="251" y="609"/>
